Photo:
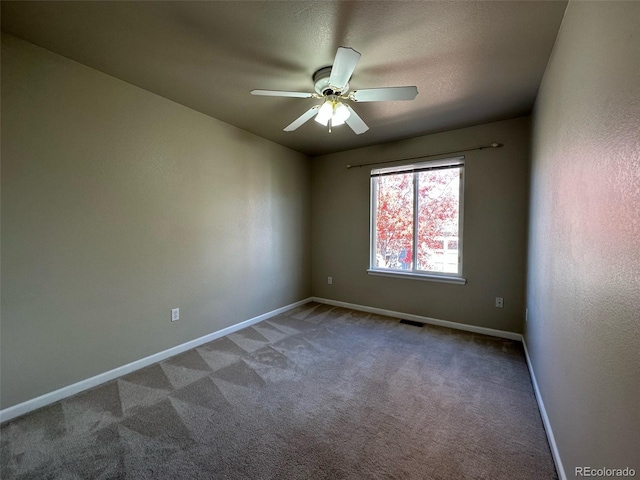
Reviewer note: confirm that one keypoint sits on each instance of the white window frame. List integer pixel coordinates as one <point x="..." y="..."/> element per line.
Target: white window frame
<point x="444" y="277"/>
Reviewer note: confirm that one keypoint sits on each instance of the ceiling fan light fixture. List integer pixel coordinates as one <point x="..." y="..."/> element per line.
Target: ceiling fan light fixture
<point x="325" y="113"/>
<point x="340" y="114"/>
<point x="333" y="110"/>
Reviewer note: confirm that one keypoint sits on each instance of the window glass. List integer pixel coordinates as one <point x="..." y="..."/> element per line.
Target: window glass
<point x="416" y="217"/>
<point x="438" y="220"/>
<point x="394" y="221"/>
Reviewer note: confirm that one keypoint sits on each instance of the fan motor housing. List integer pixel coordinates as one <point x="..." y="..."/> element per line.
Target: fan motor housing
<point x="322" y="86"/>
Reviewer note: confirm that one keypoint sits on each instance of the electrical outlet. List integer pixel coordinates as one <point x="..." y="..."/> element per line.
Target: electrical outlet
<point x="175" y="314"/>
<point x="330" y="280"/>
<point x="499" y="302"/>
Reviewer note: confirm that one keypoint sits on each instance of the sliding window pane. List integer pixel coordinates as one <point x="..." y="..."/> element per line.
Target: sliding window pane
<point x="394" y="221"/>
<point x="438" y="220"/>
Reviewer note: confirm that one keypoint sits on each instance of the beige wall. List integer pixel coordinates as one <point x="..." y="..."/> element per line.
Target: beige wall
<point x="118" y="205"/>
<point x="494" y="229"/>
<point x="583" y="332"/>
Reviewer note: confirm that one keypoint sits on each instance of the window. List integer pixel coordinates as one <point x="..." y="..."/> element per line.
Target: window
<point x="416" y="219"/>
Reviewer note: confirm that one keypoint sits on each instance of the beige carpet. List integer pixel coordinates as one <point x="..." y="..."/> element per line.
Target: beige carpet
<point x="318" y="393"/>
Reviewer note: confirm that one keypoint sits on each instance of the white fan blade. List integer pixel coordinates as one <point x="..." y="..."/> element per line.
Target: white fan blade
<point x="355" y="122"/>
<point x="343" y="66"/>
<point x="384" y="94"/>
<point x="302" y="119"/>
<point x="278" y="93"/>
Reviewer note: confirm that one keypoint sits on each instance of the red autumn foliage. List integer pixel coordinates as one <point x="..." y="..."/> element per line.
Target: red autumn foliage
<point x="438" y="210"/>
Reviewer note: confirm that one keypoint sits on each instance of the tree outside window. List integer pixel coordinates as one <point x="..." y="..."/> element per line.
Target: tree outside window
<point x="416" y="217"/>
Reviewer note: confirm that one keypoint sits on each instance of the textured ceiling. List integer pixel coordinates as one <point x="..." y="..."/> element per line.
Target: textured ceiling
<point x="472" y="62"/>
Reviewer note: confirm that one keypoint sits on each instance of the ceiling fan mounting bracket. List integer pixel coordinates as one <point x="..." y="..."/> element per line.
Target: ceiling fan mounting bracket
<point x="322" y="86"/>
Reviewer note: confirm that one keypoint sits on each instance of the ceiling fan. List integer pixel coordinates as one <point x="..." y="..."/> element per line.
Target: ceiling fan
<point x="331" y="85"/>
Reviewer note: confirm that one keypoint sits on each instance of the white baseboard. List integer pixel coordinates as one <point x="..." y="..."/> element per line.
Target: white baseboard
<point x="545" y="418"/>
<point x="52" y="397"/>
<point x="421" y="319"/>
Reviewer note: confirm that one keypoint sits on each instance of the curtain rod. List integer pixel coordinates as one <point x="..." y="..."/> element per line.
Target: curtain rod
<point x="492" y="145"/>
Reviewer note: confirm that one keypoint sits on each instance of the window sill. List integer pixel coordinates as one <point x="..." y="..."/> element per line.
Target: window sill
<point x="419" y="276"/>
